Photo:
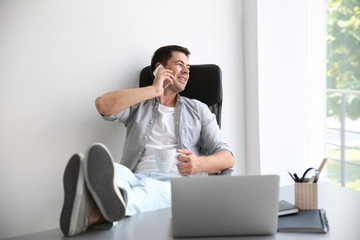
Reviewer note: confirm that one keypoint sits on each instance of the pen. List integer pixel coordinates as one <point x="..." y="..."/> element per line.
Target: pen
<point x="291" y="176"/>
<point x="297" y="179"/>
<point x="322" y="165"/>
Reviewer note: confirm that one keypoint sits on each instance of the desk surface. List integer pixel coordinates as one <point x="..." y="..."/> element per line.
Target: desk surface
<point x="342" y="207"/>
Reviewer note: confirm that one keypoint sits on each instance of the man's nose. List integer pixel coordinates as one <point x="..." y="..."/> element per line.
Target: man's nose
<point x="185" y="70"/>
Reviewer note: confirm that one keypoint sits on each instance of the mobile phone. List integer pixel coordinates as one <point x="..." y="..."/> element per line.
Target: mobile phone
<point x="155" y="72"/>
<point x="157" y="69"/>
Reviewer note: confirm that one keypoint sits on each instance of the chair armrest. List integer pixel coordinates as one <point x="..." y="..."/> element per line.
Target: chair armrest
<point x="225" y="172"/>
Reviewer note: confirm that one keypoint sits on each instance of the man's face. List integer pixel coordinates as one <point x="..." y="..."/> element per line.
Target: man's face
<point x="179" y="64"/>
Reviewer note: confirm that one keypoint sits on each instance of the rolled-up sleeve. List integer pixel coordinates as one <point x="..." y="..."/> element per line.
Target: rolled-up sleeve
<point x="121" y="116"/>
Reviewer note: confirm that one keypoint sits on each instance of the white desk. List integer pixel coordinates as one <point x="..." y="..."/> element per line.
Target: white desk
<point x="342" y="207"/>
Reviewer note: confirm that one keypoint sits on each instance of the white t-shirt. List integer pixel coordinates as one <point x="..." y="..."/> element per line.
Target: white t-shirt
<point x="162" y="136"/>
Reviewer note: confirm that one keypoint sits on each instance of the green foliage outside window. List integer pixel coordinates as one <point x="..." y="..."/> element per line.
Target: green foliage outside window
<point x="343" y="55"/>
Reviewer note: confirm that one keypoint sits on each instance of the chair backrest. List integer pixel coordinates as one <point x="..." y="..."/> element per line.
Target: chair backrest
<point x="204" y="85"/>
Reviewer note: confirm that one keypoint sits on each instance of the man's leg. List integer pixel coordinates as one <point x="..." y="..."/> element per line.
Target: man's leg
<point x="79" y="209"/>
<point x="117" y="191"/>
<point x="143" y="192"/>
<point x="148" y="195"/>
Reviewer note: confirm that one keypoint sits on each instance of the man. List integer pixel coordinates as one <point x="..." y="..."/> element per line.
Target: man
<point x="96" y="190"/>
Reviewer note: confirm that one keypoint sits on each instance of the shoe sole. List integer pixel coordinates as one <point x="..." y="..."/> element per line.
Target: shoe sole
<point x="73" y="180"/>
<point x="99" y="176"/>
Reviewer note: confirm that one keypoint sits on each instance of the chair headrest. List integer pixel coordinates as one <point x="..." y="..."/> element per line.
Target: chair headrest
<point x="204" y="83"/>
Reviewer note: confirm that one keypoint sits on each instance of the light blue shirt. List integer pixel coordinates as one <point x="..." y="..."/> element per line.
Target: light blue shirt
<point x="195" y="128"/>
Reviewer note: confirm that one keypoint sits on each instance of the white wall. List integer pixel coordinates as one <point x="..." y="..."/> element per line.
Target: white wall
<point x="291" y="85"/>
<point x="58" y="56"/>
<point x="251" y="86"/>
<point x="284" y="82"/>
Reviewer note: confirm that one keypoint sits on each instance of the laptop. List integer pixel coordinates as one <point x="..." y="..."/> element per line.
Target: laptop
<point x="225" y="205"/>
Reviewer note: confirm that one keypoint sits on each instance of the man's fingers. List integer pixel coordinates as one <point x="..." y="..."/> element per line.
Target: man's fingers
<point x="183" y="170"/>
<point x="184" y="151"/>
<point x="184" y="158"/>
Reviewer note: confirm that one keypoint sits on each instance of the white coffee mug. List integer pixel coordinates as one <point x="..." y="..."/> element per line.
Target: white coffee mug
<point x="166" y="158"/>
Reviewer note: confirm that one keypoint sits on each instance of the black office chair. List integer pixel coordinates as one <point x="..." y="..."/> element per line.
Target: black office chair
<point x="204" y="84"/>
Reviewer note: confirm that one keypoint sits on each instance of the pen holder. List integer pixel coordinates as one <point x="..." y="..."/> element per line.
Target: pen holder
<point x="306" y="196"/>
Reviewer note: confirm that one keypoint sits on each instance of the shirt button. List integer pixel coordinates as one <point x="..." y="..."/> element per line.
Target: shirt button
<point x="145" y="136"/>
<point x="139" y="153"/>
<point x="151" y="121"/>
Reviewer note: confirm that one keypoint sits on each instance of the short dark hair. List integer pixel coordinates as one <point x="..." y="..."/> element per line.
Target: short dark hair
<point x="163" y="54"/>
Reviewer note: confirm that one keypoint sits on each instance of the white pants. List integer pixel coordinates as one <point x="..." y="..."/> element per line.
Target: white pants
<point x="144" y="191"/>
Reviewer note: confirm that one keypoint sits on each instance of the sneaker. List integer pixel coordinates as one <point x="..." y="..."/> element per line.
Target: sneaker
<point x="77" y="200"/>
<point x="99" y="176"/>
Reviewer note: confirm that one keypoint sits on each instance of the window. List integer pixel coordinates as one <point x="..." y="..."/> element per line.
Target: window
<point x="343" y="93"/>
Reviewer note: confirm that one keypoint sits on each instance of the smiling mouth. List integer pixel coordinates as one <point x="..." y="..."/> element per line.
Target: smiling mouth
<point x="182" y="79"/>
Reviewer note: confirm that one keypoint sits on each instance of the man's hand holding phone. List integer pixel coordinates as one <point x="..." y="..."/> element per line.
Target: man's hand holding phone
<point x="163" y="75"/>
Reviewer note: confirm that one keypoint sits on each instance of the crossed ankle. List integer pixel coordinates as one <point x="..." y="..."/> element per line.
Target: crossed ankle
<point x="95" y="217"/>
